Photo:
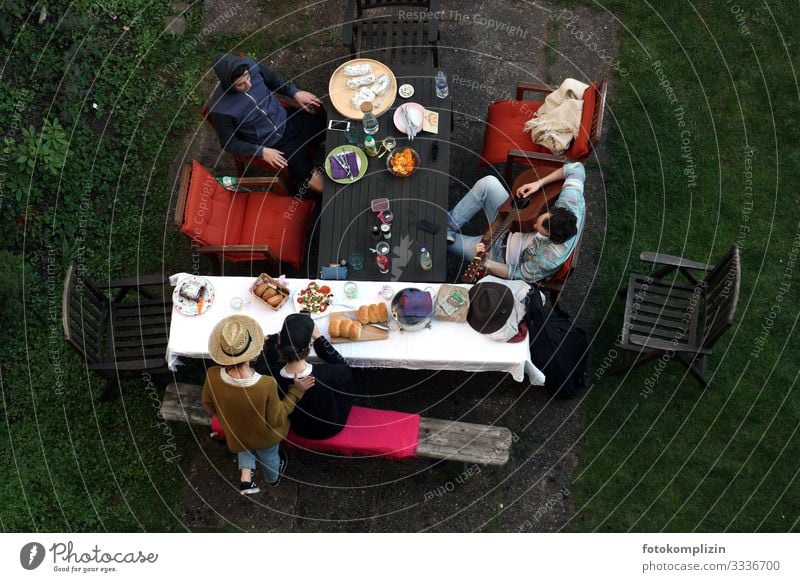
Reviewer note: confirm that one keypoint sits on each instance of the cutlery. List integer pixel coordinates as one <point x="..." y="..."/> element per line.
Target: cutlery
<point x="381" y="326"/>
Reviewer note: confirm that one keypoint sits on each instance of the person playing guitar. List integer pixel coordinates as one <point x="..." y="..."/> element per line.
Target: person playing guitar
<point x="534" y="255"/>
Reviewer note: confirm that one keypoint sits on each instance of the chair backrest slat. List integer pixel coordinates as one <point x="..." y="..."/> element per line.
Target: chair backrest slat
<point x="721" y="297"/>
<point x="362" y="5"/>
<point x="84" y="309"/>
<point x="597" y="116"/>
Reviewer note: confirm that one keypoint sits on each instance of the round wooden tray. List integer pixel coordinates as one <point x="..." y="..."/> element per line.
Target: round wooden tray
<point x="341" y="95"/>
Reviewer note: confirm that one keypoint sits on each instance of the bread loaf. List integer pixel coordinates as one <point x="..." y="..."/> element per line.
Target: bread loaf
<point x="383" y="313"/>
<point x="373" y="313"/>
<point x="275" y="300"/>
<point x="269" y="292"/>
<point x="363" y="314"/>
<point x="334" y="327"/>
<point x="354" y="332"/>
<point x="259" y="290"/>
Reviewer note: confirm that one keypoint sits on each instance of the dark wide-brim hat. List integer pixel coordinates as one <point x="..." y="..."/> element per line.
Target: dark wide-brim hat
<point x="490" y="306"/>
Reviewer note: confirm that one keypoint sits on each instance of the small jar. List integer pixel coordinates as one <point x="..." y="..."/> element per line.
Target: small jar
<point x="386" y="231"/>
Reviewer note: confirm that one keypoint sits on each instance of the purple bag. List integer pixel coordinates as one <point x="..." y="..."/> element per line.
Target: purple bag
<point x="417" y="303"/>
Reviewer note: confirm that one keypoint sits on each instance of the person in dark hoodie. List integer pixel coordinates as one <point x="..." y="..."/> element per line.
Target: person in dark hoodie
<point x="326" y="405"/>
<point x="250" y="120"/>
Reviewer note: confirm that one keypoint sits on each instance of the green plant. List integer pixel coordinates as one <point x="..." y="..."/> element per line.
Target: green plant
<point x="47" y="148"/>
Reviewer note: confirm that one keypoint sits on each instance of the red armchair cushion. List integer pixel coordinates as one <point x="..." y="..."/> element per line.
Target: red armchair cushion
<point x="213" y="215"/>
<point x="504" y="129"/>
<point x="278" y="221"/>
<point x="504" y="132"/>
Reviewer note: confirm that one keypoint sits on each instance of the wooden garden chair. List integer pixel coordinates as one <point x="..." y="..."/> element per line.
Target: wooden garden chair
<point x="664" y="317"/>
<point x="388" y="37"/>
<point x="119" y="328"/>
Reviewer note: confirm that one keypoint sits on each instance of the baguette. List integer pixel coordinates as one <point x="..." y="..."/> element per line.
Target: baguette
<point x="354" y="332"/>
<point x="383" y="313"/>
<point x="334" y="327"/>
<point x="363" y="314"/>
<point x="373" y="314"/>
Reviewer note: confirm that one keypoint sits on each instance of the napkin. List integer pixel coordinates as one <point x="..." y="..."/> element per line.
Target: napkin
<point x="339" y="172"/>
<point x="417" y="303"/>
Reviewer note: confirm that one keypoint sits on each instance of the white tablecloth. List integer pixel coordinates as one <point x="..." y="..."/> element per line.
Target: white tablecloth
<point x="444" y="346"/>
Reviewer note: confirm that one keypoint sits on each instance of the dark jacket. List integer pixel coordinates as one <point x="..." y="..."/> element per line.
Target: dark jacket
<point x="246" y="122"/>
<point x="325" y="406"/>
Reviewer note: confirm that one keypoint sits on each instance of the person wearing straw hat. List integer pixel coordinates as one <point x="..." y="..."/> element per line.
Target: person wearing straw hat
<point x="247" y="404"/>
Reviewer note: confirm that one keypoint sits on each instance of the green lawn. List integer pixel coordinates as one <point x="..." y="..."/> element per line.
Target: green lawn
<point x="690" y="173"/>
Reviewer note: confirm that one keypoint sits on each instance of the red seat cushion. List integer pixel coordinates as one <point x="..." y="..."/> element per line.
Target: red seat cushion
<point x="561" y="275"/>
<point x="213" y="215"/>
<point x="504" y="129"/>
<point x="504" y="123"/>
<point x="278" y="221"/>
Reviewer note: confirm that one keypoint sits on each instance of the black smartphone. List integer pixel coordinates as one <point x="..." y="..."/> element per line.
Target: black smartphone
<point x="338" y="125"/>
<point x="428" y="226"/>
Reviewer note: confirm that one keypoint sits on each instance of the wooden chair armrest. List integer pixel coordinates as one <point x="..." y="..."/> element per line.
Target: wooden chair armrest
<point x="433" y="23"/>
<point x="523" y="87"/>
<point x="135" y="281"/>
<point x="529" y="158"/>
<point x="663" y="345"/>
<point x="183" y="194"/>
<point x="347" y="22"/>
<point x="257" y="181"/>
<point x="673" y="261"/>
<point x="234" y="249"/>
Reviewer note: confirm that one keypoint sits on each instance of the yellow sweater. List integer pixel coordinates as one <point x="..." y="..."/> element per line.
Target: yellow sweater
<point x="254" y="417"/>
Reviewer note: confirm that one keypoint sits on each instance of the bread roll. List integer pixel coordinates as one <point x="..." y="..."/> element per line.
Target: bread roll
<point x="355" y="330"/>
<point x="373" y="313"/>
<point x="383" y="313"/>
<point x="344" y="330"/>
<point x="269" y="292"/>
<point x="363" y="314"/>
<point x="275" y="300"/>
<point x="260" y="289"/>
<point x="334" y="327"/>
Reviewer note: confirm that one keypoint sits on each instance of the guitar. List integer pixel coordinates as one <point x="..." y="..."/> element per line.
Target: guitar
<point x="515" y="215"/>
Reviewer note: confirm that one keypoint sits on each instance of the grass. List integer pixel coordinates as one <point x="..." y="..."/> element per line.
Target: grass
<point x="680" y="458"/>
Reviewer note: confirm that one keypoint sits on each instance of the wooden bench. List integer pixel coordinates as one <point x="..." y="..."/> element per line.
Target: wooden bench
<point x="437" y="439"/>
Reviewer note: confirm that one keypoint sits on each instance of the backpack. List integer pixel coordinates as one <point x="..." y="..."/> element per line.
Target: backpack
<point x="558" y="348"/>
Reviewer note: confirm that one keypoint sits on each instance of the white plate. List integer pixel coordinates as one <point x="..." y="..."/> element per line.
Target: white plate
<point x="406" y="91"/>
<point x="187" y="306"/>
<point x="331" y="307"/>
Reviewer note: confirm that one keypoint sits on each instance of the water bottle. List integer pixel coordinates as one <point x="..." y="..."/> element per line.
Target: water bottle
<point x="370" y="122"/>
<point x="370" y="147"/>
<point x="441" y="85"/>
<point x="425" y="261"/>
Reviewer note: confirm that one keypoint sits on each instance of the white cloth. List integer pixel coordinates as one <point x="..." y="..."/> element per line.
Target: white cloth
<point x="557" y="122"/>
<point x="445" y="346"/>
<point x="244" y="382"/>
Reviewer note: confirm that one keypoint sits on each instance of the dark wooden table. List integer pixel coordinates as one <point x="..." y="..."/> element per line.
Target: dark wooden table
<point x="346" y="220"/>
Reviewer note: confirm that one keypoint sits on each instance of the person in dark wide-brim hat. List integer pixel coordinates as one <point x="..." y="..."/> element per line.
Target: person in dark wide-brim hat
<point x="247" y="404"/>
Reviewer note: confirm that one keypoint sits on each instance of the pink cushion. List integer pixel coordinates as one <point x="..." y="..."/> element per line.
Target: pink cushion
<point x="213" y="215"/>
<point x="369" y="433"/>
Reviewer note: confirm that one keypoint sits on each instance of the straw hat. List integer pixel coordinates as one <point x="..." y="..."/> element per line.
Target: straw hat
<point x="235" y="339"/>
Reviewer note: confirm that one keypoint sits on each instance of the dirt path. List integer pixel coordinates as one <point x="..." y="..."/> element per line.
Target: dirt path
<point x="484" y="55"/>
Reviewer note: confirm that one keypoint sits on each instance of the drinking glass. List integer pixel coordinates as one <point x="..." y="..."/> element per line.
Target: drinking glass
<point x="353" y="134"/>
<point x="356" y="261"/>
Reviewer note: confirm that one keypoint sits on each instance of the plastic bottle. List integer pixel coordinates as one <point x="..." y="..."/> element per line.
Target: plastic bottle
<point x="442" y="90"/>
<point x="370" y="122"/>
<point x="425" y="261"/>
<point x="369" y="146"/>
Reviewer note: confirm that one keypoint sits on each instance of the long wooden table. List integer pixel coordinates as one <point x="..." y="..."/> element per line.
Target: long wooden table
<point x="346" y="220"/>
<point x="443" y="346"/>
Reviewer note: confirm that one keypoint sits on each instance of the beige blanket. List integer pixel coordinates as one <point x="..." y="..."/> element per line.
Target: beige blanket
<point x="557" y="122"/>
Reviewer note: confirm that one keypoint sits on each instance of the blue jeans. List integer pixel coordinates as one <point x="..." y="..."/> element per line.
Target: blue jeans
<point x="268" y="458"/>
<point x="487" y="195"/>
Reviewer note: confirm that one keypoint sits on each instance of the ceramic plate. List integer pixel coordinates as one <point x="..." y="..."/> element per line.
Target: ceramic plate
<point x="406" y="91"/>
<point x="362" y="163"/>
<point x="415" y="111"/>
<point x="187" y="306"/>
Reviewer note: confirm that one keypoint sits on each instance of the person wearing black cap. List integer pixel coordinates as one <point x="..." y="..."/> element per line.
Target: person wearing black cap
<point x="247" y="404"/>
<point x="250" y="120"/>
<point x="326" y="406"/>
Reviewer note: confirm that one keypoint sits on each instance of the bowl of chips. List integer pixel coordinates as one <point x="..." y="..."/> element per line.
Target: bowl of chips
<point x="403" y="162"/>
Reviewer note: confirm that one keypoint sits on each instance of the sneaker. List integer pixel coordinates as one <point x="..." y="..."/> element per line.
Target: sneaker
<point x="450" y="237"/>
<point x="248" y="487"/>
<point x="282" y="468"/>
